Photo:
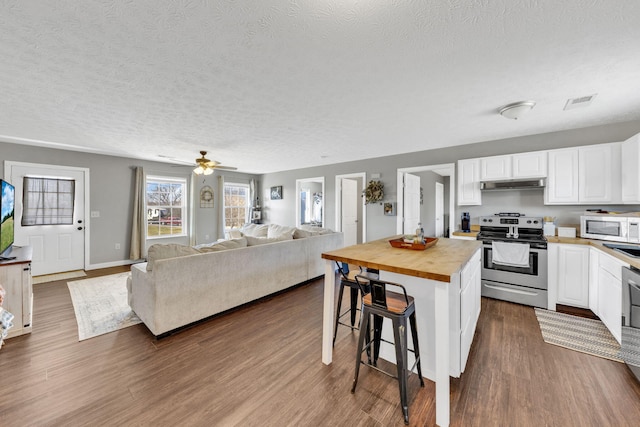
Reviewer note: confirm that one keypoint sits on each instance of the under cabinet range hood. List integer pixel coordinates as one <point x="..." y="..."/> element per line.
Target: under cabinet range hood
<point x="513" y="184"/>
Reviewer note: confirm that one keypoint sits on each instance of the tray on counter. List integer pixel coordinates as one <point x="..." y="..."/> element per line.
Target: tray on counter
<point x="400" y="243"/>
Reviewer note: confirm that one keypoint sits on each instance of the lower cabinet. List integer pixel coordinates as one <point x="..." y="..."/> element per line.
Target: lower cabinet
<point x="572" y="273"/>
<point x="608" y="288"/>
<point x="15" y="277"/>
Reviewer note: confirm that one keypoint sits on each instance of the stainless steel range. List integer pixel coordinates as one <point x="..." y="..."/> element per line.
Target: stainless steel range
<point x="514" y="258"/>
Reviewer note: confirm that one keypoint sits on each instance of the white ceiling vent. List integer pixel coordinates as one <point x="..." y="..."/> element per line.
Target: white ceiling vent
<point x="583" y="101"/>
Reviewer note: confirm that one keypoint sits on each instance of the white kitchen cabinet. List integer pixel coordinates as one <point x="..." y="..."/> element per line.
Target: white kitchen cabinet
<point x="609" y="288"/>
<point x="529" y="165"/>
<point x="584" y="175"/>
<point x="562" y="181"/>
<point x="573" y="275"/>
<point x="470" y="288"/>
<point x="495" y="168"/>
<point x="594" y="264"/>
<point x="469" y="182"/>
<point x="630" y="159"/>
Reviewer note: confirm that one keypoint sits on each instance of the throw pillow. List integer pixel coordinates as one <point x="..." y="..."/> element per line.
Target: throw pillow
<point x="319" y="230"/>
<point x="254" y="241"/>
<point x="223" y="245"/>
<point x="234" y="233"/>
<point x="301" y="234"/>
<point x="255" y="230"/>
<point x="276" y="230"/>
<point x="171" y="250"/>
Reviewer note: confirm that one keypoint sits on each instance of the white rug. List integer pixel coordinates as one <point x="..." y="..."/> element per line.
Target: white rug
<point x="45" y="278"/>
<point x="101" y="305"/>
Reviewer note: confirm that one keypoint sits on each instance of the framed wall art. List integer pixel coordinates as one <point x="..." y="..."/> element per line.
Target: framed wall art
<point x="276" y="193"/>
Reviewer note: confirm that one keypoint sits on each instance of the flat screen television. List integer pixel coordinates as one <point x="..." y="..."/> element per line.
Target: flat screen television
<point x="7" y="206"/>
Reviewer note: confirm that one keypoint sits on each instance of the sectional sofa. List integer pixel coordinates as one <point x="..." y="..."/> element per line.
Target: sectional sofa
<point x="180" y="285"/>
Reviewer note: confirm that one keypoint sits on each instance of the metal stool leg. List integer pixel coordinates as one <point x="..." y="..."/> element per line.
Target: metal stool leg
<point x="364" y="332"/>
<point x="354" y="305"/>
<point x="416" y="346"/>
<point x="377" y="335"/>
<point x="400" y="338"/>
<point x="335" y="329"/>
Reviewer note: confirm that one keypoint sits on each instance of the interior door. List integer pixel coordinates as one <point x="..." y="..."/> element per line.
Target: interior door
<point x="350" y="211"/>
<point x="56" y="248"/>
<point x="439" y="209"/>
<point x="411" y="203"/>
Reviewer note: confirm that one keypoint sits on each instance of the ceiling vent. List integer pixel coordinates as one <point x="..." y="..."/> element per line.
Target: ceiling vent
<point x="580" y="102"/>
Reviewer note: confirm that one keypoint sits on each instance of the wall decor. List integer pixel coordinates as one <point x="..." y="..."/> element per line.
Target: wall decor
<point x="374" y="192"/>
<point x="276" y="193"/>
<point x="206" y="197"/>
<point x="390" y="209"/>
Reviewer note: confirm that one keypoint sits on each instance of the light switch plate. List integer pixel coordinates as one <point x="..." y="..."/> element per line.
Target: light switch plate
<point x="95" y="214"/>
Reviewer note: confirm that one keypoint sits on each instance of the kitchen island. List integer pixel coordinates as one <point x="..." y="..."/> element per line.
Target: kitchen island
<point x="445" y="282"/>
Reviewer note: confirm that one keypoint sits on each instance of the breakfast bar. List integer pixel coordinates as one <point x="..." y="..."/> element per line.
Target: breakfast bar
<point x="445" y="282"/>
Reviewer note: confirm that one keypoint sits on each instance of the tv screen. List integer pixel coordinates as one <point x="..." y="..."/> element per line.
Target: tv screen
<point x="6" y="216"/>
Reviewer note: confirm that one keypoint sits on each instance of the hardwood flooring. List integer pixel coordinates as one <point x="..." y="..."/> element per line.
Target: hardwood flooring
<point x="260" y="366"/>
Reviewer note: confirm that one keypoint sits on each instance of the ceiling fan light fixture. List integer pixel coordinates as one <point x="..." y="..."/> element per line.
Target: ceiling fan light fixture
<point x="199" y="170"/>
<point x="517" y="109"/>
<point x="208" y="171"/>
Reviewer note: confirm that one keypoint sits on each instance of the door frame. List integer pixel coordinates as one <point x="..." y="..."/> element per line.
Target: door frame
<point x="9" y="164"/>
<point x="339" y="178"/>
<point x="445" y="169"/>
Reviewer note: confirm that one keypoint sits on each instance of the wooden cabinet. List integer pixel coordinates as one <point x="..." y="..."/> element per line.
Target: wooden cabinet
<point x="469" y="182"/>
<point x="630" y="179"/>
<point x="495" y="168"/>
<point x="573" y="275"/>
<point x="15" y="276"/>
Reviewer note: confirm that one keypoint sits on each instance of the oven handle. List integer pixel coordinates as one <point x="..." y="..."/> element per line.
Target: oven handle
<point x="515" y="291"/>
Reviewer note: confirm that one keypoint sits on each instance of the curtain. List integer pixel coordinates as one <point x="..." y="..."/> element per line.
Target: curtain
<point x="48" y="201"/>
<point x="221" y="219"/>
<point x="252" y="198"/>
<point x="139" y="219"/>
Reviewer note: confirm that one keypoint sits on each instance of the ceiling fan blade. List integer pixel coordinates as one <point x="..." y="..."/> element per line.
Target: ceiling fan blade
<point x="228" y="168"/>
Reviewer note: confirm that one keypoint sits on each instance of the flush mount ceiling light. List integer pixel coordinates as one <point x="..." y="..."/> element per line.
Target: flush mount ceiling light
<point x="517" y="109"/>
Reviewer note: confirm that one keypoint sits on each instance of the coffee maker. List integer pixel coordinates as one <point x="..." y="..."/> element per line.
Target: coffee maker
<point x="466" y="222"/>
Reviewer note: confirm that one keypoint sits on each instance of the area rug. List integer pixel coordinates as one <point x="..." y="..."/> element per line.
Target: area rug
<point x="45" y="278"/>
<point x="577" y="333"/>
<point x="101" y="305"/>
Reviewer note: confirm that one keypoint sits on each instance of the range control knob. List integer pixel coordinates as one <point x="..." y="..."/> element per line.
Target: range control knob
<point x="528" y="221"/>
<point x="535" y="221"/>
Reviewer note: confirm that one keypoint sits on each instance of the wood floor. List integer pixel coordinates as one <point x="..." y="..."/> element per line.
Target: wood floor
<point x="260" y="366"/>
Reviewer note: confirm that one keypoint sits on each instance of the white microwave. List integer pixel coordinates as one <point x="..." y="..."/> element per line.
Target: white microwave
<point x="610" y="227"/>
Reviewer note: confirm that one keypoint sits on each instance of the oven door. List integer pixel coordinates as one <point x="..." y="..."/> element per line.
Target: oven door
<point x="534" y="276"/>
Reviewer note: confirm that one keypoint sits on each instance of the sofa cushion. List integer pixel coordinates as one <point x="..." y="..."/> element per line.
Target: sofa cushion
<point x="254" y="241"/>
<point x="301" y="234"/>
<point x="315" y="229"/>
<point x="223" y="245"/>
<point x="276" y="230"/>
<point x="171" y="250"/>
<point x="235" y="233"/>
<point x="255" y="230"/>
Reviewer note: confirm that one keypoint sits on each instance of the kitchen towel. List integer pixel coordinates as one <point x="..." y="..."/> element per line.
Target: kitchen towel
<point x="510" y="254"/>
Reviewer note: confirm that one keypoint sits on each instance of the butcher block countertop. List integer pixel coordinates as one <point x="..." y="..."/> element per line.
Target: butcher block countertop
<point x="438" y="262"/>
<point x="635" y="262"/>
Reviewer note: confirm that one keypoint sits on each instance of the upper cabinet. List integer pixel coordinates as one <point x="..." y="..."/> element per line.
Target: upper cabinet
<point x="469" y="182"/>
<point x="584" y="175"/>
<point x="630" y="170"/>
<point x="516" y="166"/>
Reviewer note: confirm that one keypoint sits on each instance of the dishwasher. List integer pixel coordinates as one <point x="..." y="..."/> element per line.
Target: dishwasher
<point x="630" y="342"/>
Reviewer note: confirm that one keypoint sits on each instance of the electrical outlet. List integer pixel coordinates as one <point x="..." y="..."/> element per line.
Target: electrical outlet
<point x="117" y="245"/>
<point x="95" y="214"/>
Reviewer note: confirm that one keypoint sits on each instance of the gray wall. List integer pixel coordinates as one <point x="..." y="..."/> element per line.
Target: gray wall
<point x="112" y="181"/>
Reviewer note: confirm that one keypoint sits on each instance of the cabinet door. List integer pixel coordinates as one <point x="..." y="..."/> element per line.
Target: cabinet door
<point x="562" y="182"/>
<point x="630" y="171"/>
<point x="469" y="182"/>
<point x="530" y="165"/>
<point x="494" y="168"/>
<point x="610" y="302"/>
<point x="573" y="275"/>
<point x="593" y="281"/>
<point x="594" y="165"/>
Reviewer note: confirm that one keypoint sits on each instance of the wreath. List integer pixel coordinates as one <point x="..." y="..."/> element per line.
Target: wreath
<point x="374" y="192"/>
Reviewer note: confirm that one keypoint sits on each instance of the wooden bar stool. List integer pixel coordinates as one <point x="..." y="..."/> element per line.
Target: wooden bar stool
<point x="398" y="307"/>
<point x="347" y="279"/>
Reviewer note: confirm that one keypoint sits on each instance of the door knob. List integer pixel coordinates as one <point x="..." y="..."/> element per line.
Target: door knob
<point x="79" y="228"/>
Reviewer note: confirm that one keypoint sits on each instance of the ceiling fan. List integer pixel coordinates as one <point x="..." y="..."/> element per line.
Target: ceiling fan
<point x="206" y="166"/>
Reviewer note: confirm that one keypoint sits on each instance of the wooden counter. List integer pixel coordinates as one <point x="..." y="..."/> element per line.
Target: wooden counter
<point x="599" y="244"/>
<point x="437" y="263"/>
<point x="430" y="276"/>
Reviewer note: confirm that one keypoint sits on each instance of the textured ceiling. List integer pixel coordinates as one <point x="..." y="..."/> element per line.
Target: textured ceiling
<point x="277" y="85"/>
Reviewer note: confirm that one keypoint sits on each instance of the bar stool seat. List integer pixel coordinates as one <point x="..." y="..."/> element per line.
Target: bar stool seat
<point x="398" y="307"/>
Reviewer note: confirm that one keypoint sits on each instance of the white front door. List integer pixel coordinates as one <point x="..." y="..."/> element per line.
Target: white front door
<point x="350" y="211"/>
<point x="56" y="248"/>
<point x="411" y="203"/>
<point x="439" y="209"/>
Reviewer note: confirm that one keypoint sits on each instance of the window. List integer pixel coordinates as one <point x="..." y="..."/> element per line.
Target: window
<point x="166" y="207"/>
<point x="236" y="205"/>
<point x="48" y="201"/>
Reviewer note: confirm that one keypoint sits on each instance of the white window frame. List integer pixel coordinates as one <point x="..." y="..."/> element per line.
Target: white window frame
<point x="183" y="206"/>
<point x="224" y="204"/>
